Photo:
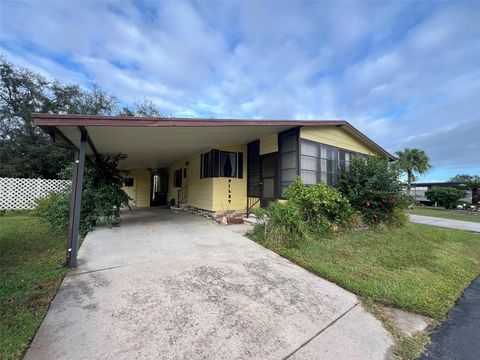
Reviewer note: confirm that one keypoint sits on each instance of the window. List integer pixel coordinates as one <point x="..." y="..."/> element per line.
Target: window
<point x="128" y="182"/>
<point x="328" y="164"/>
<point x="228" y="164"/>
<point x="178" y="178"/>
<point x="288" y="143"/>
<point x="344" y="158"/>
<point x="321" y="162"/>
<point x="218" y="163"/>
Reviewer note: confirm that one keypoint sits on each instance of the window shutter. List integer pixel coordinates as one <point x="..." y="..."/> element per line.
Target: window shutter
<point x="240" y="165"/>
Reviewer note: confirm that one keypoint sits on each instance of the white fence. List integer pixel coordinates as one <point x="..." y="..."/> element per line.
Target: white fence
<point x="20" y="194"/>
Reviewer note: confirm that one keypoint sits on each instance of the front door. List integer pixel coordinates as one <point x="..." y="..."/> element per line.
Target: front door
<point x="268" y="179"/>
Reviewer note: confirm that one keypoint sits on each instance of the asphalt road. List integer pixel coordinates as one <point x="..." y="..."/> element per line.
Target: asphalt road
<point x="458" y="337"/>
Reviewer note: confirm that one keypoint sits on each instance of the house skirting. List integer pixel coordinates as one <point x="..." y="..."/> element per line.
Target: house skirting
<point x="215" y="215"/>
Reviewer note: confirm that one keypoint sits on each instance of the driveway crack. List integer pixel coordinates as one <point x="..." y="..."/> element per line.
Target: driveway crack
<point x="318" y="333"/>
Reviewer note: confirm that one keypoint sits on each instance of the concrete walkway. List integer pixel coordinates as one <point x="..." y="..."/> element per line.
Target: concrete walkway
<point x="446" y="223"/>
<point x="179" y="286"/>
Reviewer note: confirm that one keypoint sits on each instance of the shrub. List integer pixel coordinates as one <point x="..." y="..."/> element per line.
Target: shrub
<point x="102" y="198"/>
<point x="55" y="209"/>
<point x="373" y="188"/>
<point x="284" y="226"/>
<point x="309" y="211"/>
<point x="445" y="196"/>
<point x="322" y="207"/>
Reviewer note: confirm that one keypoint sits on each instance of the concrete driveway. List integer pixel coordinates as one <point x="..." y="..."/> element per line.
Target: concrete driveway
<point x="179" y="286"/>
<point x="446" y="223"/>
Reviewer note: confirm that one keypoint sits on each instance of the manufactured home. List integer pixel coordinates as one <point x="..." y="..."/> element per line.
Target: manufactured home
<point x="215" y="166"/>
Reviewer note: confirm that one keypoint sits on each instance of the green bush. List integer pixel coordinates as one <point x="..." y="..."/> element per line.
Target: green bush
<point x="55" y="209"/>
<point x="310" y="211"/>
<point x="445" y="196"/>
<point x="322" y="207"/>
<point x="373" y="188"/>
<point x="102" y="198"/>
<point x="283" y="225"/>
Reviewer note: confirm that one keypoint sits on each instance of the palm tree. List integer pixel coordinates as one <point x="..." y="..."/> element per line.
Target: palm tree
<point x="470" y="181"/>
<point x="412" y="161"/>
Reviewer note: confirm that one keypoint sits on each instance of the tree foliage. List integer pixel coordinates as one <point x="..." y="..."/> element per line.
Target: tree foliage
<point x="25" y="151"/>
<point x="373" y="188"/>
<point x="472" y="182"/>
<point x="102" y="199"/>
<point x="142" y="108"/>
<point x="445" y="196"/>
<point x="411" y="161"/>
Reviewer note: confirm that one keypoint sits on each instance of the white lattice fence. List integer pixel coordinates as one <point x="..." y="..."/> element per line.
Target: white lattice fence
<point x="20" y="194"/>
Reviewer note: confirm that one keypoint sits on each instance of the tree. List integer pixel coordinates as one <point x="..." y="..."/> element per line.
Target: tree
<point x="144" y="107"/>
<point x="412" y="161"/>
<point x="25" y="151"/>
<point x="472" y="182"/>
<point x="445" y="196"/>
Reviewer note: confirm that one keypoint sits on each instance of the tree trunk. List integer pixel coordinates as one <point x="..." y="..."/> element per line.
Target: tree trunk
<point x="409" y="181"/>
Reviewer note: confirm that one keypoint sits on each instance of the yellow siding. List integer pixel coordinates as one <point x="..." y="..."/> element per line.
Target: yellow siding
<point x="199" y="190"/>
<point x="140" y="191"/>
<point x="335" y="136"/>
<point x="210" y="193"/>
<point x="238" y="187"/>
<point x="269" y="144"/>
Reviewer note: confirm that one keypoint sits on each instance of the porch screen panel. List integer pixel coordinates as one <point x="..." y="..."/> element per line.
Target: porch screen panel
<point x="328" y="164"/>
<point x="253" y="169"/>
<point x="288" y="144"/>
<point x="344" y="158"/>
<point x="310" y="162"/>
<point x="321" y="162"/>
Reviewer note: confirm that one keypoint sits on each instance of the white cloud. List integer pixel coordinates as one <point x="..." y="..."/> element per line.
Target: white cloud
<point x="403" y="73"/>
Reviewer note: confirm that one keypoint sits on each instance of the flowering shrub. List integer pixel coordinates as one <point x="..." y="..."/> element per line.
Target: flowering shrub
<point x="373" y="188"/>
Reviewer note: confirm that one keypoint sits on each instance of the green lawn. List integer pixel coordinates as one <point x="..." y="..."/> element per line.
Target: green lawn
<point x="420" y="268"/>
<point x="446" y="214"/>
<point x="30" y="253"/>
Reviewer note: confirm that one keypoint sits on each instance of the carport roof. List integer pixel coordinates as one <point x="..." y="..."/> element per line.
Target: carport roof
<point x="153" y="142"/>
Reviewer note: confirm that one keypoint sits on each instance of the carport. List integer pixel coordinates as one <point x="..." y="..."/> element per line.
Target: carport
<point x="148" y="143"/>
<point x="155" y="143"/>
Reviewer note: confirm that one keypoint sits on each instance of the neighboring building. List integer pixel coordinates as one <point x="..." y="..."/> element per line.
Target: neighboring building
<point x="214" y="167"/>
<point x="418" y="191"/>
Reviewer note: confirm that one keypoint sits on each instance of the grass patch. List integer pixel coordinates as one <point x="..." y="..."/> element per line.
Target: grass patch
<point x="411" y="347"/>
<point x="30" y="255"/>
<point x="420" y="268"/>
<point x="445" y="214"/>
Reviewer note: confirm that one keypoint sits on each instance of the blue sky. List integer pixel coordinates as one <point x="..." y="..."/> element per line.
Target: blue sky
<point x="406" y="74"/>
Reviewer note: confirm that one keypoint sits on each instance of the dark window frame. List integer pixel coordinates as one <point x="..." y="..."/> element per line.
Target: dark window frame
<point x="254" y="175"/>
<point x="338" y="161"/>
<point x="281" y="136"/>
<point x="210" y="164"/>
